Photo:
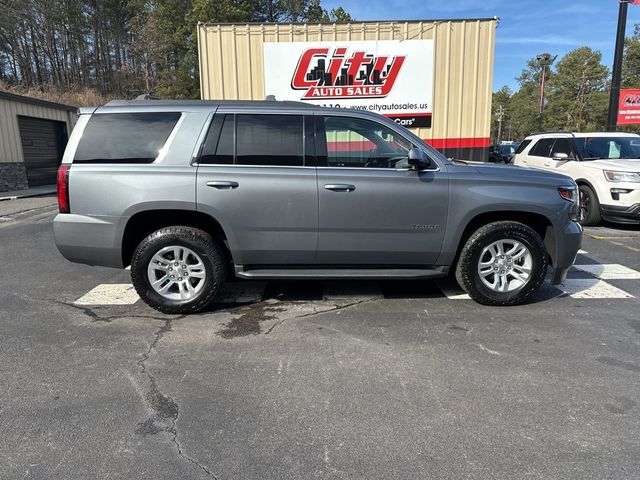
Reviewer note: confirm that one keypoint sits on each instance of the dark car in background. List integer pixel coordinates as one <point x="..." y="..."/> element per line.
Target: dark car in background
<point x="503" y="153"/>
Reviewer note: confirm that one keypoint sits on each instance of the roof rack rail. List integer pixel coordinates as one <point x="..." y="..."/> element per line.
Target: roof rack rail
<point x="553" y="131"/>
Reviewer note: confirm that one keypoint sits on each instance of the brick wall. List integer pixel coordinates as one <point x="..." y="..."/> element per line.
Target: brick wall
<point x="13" y="176"/>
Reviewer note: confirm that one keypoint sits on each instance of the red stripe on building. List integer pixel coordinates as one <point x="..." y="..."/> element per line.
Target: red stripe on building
<point x="442" y="143"/>
<point x="439" y="143"/>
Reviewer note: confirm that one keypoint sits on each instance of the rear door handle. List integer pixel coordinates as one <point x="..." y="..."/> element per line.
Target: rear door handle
<point x="340" y="187"/>
<point x="547" y="164"/>
<point x="222" y="185"/>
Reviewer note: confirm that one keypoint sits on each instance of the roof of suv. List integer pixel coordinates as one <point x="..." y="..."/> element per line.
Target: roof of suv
<point x="581" y="134"/>
<point x="207" y="103"/>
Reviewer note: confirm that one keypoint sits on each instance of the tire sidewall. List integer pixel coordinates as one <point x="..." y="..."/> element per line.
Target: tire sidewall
<point x="593" y="215"/>
<point x="152" y="245"/>
<point x="538" y="271"/>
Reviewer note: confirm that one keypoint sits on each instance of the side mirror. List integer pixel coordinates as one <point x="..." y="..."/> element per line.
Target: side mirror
<point x="418" y="160"/>
<point x="561" y="157"/>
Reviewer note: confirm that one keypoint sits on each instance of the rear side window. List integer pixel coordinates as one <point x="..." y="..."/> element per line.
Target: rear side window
<point x="255" y="140"/>
<point x="125" y="137"/>
<point x="522" y="146"/>
<point x="542" y="148"/>
<point x="269" y="140"/>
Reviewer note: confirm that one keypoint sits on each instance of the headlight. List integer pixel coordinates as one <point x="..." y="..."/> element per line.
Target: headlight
<point x="570" y="194"/>
<point x="618" y="177"/>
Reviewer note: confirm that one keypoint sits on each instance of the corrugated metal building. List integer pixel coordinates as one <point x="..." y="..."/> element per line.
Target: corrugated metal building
<point x="447" y="67"/>
<point x="33" y="134"/>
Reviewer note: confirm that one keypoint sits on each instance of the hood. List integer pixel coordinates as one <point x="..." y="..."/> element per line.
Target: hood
<point x="623" y="164"/>
<point x="513" y="173"/>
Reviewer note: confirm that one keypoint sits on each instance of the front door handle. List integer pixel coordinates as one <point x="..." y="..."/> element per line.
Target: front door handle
<point x="222" y="185"/>
<point x="340" y="187"/>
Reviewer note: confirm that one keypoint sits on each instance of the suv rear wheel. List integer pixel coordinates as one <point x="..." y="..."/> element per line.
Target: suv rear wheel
<point x="178" y="269"/>
<point x="502" y="263"/>
<point x="589" y="207"/>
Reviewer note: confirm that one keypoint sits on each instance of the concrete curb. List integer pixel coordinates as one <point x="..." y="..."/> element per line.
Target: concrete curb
<point x="27" y="195"/>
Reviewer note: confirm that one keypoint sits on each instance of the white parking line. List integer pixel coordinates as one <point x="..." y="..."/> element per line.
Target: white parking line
<point x="591" y="288"/>
<point x="452" y="290"/>
<point x="610" y="271"/>
<point x="582" y="252"/>
<point x="110" y="294"/>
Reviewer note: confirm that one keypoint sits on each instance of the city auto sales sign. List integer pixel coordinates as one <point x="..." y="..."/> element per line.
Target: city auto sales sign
<point x="390" y="77"/>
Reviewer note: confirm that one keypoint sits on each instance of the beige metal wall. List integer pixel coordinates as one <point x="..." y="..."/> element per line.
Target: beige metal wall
<point x="10" y="143"/>
<point x="231" y="66"/>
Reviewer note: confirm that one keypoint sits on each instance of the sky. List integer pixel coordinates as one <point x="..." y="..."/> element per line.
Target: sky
<point x="526" y="29"/>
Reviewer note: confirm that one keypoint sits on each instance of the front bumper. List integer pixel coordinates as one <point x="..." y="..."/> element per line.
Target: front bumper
<point x="568" y="242"/>
<point x="621" y="214"/>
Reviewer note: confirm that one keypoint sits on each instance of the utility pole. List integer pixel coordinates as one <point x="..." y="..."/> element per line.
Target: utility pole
<point x="612" y="120"/>
<point x="545" y="61"/>
<point x="499" y="116"/>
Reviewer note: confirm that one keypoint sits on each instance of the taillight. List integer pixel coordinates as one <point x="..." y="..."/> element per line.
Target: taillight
<point x="63" y="189"/>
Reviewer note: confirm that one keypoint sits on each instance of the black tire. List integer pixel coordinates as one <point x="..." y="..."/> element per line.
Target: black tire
<point x="590" y="215"/>
<point x="467" y="274"/>
<point x="200" y="242"/>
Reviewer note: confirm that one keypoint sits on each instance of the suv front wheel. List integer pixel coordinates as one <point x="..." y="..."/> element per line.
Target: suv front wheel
<point x="502" y="263"/>
<point x="178" y="269"/>
<point x="589" y="207"/>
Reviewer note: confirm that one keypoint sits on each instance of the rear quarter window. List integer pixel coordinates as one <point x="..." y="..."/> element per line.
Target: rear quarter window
<point x="542" y="148"/>
<point x="125" y="137"/>
<point x="522" y="146"/>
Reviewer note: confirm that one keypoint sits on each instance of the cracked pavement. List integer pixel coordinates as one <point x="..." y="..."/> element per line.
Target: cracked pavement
<point x="395" y="388"/>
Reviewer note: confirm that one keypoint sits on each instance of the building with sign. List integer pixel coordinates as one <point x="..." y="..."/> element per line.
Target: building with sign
<point x="434" y="77"/>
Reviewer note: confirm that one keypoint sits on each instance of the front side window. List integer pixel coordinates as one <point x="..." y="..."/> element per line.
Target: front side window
<point x="562" y="145"/>
<point x="125" y="137"/>
<point x="359" y="143"/>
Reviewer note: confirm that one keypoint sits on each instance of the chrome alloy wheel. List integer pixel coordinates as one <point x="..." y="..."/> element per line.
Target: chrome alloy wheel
<point x="505" y="265"/>
<point x="176" y="273"/>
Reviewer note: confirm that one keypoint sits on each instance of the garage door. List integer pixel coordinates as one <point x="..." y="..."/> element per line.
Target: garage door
<point x="43" y="143"/>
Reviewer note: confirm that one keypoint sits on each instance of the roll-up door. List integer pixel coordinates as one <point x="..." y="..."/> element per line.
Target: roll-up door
<point x="43" y="143"/>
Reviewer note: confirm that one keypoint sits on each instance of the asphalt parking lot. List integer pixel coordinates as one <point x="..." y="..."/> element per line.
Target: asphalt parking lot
<point x="393" y="380"/>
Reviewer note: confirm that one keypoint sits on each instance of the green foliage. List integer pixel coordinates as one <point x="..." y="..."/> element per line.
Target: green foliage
<point x="576" y="94"/>
<point x="121" y="48"/>
<point x="578" y="99"/>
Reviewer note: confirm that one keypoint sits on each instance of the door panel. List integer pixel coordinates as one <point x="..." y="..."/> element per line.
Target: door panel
<point x="252" y="178"/>
<point x="270" y="217"/>
<point x="389" y="218"/>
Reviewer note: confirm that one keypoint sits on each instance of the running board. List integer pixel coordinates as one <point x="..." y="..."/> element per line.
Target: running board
<point x="341" y="273"/>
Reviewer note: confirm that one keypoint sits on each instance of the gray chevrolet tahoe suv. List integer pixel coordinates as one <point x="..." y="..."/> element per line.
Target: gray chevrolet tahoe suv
<point x="191" y="192"/>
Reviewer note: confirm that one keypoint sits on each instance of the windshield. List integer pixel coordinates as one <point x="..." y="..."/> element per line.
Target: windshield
<point x="596" y="148"/>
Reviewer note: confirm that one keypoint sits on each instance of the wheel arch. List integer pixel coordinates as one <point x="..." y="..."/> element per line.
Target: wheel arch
<point x="583" y="181"/>
<point x="541" y="224"/>
<point x="146" y="222"/>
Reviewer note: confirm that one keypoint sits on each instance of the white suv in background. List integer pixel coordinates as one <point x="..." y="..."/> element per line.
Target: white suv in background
<point x="605" y="165"/>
